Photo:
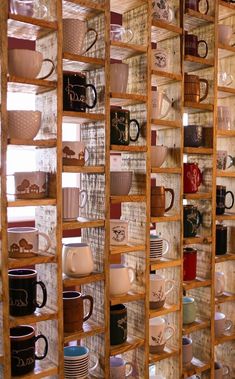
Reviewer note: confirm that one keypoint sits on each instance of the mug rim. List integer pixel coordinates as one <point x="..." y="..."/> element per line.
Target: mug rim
<point x="77" y="294"/>
<point x="76" y="244"/>
<point x="22" y="229"/>
<point x="74" y="349"/>
<point x="30" y="334"/>
<point x="13" y="273"/>
<point x="156" y="321"/>
<point x="191" y="300"/>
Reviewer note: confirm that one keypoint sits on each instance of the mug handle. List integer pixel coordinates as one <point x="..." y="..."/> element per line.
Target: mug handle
<point x="172" y="198"/>
<point x="230" y="80"/>
<point x="232" y="161"/>
<point x="199" y="219"/>
<point x="52" y="68"/>
<point x="207" y="88"/>
<point x="207" y="6"/>
<point x="85" y="198"/>
<point x="138" y="130"/>
<point x="206" y="52"/>
<point x="172" y="329"/>
<point x="70" y="256"/>
<point x="88" y="315"/>
<point x="93" y="42"/>
<point x="131" y="272"/>
<point x="172" y="282"/>
<point x="226" y="371"/>
<point x="95" y="99"/>
<point x="166" y="98"/>
<point x="199" y="177"/>
<point x="232" y="196"/>
<point x="129" y="372"/>
<point x="220" y="285"/>
<point x="88" y="154"/>
<point x="167" y="246"/>
<point x="228" y="325"/>
<point x="44" y="235"/>
<point x="96" y="359"/>
<point x="45" y="349"/>
<point x="44" y="292"/>
<point x="128" y="35"/>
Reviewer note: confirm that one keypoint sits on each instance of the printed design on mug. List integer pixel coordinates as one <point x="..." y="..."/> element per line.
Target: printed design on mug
<point x="122" y="323"/>
<point x="192" y="176"/>
<point x="159" y="340"/>
<point x="73" y="95"/>
<point x="118" y="234"/>
<point x="68" y="156"/>
<point x="29" y="360"/>
<point x="120" y="128"/>
<point x="161" y="60"/>
<point x="22" y="247"/>
<point x="26" y="189"/>
<point x="158" y="295"/>
<point x="163" y="10"/>
<point x="19" y="298"/>
<point x="192" y="220"/>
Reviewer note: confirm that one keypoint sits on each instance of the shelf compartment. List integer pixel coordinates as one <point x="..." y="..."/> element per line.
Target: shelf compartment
<point x="36" y="86"/>
<point x="164" y="263"/>
<point x="191" y="107"/>
<point x="226" y="216"/>
<point x="45" y="143"/>
<point x="129" y="149"/>
<point x="164" y="310"/>
<point x="23" y="27"/>
<point x="125" y="6"/>
<point x="195" y="367"/>
<point x="166" y="170"/>
<point x="126" y="99"/>
<point x="197" y="283"/>
<point x="198" y="150"/>
<point x="132" y="343"/>
<point x="225" y="258"/>
<point x="225" y="51"/>
<point x="167" y="353"/>
<point x="225" y="9"/>
<point x="198" y="196"/>
<point x="224" y="92"/>
<point x="73" y="62"/>
<point x="83" y="223"/>
<point x="93" y="277"/>
<point x="43" y="314"/>
<point x="84" y="8"/>
<point x="44" y="368"/>
<point x="225" y="133"/>
<point x="1" y="359"/>
<point x="164" y="77"/>
<point x="197" y="240"/>
<point x="192" y="63"/>
<point x="162" y="30"/>
<point x="226" y="296"/>
<point x="166" y="124"/>
<point x="198" y="324"/>
<point x="225" y="174"/>
<point x="126" y="249"/>
<point x="127" y="199"/>
<point x="89" y="329"/>
<point x="121" y="50"/>
<point x="31" y="261"/>
<point x="166" y="218"/>
<point x="31" y="202"/>
<point x="225" y="338"/>
<point x="84" y="169"/>
<point x="130" y="296"/>
<point x="194" y="19"/>
<point x="82" y="117"/>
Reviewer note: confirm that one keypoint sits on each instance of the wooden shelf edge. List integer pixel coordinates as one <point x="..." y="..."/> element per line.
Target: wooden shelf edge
<point x="82" y="223"/>
<point x="167" y="353"/>
<point x="195" y="326"/>
<point x="166" y="309"/>
<point x="94" y="277"/>
<point x="34" y="21"/>
<point x="37" y="259"/>
<point x="126" y="249"/>
<point x="166" y="170"/>
<point x="197" y="240"/>
<point x="187" y="285"/>
<point x="198" y="150"/>
<point x="38" y="316"/>
<point x="132" y="343"/>
<point x="131" y="296"/>
<point x="89" y="329"/>
<point x="84" y="169"/>
<point x="225" y="257"/>
<point x="167" y="26"/>
<point x="164" y="263"/>
<point x="134" y="149"/>
<point x="169" y="218"/>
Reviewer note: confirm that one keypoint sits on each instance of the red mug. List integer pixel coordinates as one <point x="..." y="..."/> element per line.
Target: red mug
<point x="190" y="263"/>
<point x="192" y="177"/>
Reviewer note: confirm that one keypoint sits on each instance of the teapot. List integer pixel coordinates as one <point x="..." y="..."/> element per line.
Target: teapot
<point x="161" y="10"/>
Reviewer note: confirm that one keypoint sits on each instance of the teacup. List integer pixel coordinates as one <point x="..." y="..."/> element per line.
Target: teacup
<point x="74" y="153"/>
<point x="158" y="155"/>
<point x="121" y="278"/>
<point x="30" y="185"/>
<point x="221" y="324"/>
<point x="77" y="259"/>
<point x="159" y="334"/>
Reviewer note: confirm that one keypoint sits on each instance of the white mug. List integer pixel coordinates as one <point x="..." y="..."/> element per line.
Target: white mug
<point x="121" y="278"/>
<point x="219" y="283"/>
<point x="77" y="259"/>
<point x="119" y="369"/>
<point x="118" y="77"/>
<point x="158" y="100"/>
<point x="159" y="334"/>
<point x="118" y="232"/>
<point x="74" y="153"/>
<point x="159" y="59"/>
<point x="158" y="292"/>
<point x="71" y="202"/>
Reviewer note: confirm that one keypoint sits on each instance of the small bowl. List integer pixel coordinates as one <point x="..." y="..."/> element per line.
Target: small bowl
<point x="120" y="182"/>
<point x="24" y="63"/>
<point x="158" y="155"/>
<point x="23" y="124"/>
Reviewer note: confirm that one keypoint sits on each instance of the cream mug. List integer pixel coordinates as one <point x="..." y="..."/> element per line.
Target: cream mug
<point x="159" y="334"/>
<point x="30" y="185"/>
<point x="159" y="110"/>
<point x="77" y="259"/>
<point x="71" y="202"/>
<point x="219" y="283"/>
<point x="118" y="77"/>
<point x="121" y="278"/>
<point x="118" y="232"/>
<point x="23" y="242"/>
<point x="158" y="291"/>
<point x="74" y="153"/>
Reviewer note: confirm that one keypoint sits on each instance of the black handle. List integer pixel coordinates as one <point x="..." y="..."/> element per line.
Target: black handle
<point x="232" y="196"/>
<point x="44" y="292"/>
<point x="199" y="219"/>
<point x="95" y="99"/>
<point x="138" y="130"/>
<point x="46" y="347"/>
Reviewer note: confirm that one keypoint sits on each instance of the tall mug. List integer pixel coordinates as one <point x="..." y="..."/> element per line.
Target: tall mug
<point x="72" y="202"/>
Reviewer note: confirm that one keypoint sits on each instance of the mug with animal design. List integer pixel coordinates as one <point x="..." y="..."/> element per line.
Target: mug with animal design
<point x="161" y="10"/>
<point x="158" y="290"/>
<point x="74" y="153"/>
<point x="30" y="185"/>
<point x="118" y="232"/>
<point x="160" y="60"/>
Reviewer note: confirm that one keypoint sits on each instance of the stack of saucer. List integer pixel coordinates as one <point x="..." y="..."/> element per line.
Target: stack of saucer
<point x="156" y="247"/>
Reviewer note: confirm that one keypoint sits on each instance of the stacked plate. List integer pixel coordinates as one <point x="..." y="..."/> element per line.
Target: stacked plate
<point x="156" y="247"/>
<point x="76" y="359"/>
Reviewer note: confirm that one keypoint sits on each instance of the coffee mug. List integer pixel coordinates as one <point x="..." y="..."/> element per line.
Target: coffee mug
<point x="23" y="292"/>
<point x="222" y="160"/>
<point x="224" y="117"/>
<point x="187" y="350"/>
<point x="23" y="356"/>
<point x="219" y="283"/>
<point x="221" y="239"/>
<point x="120" y="124"/>
<point x="224" y="79"/>
<point x="192" y="45"/>
<point x="192" y="177"/>
<point x="161" y="105"/>
<point x="194" y="4"/>
<point x="72" y="202"/>
<point x="221" y="371"/>
<point x="158" y="200"/>
<point x="77" y="362"/>
<point x="23" y="241"/>
<point x="158" y="290"/>
<point x="193" y="136"/>
<point x="120" y="33"/>
<point x="221" y="194"/>
<point x="118" y="232"/>
<point x="121" y="278"/>
<point x="192" y="88"/>
<point x="192" y="220"/>
<point x="118" y="77"/>
<point x="30" y="185"/>
<point x="159" y="334"/>
<point x="29" y="8"/>
<point x="162" y="10"/>
<point x="189" y="263"/>
<point x="189" y="310"/>
<point x="73" y="310"/>
<point x="225" y="33"/>
<point x="74" y="34"/>
<point x="119" y="369"/>
<point x="222" y="325"/>
<point x="158" y="247"/>
<point x="158" y="155"/>
<point x="160" y="59"/>
<point x="77" y="259"/>
<point x="75" y="92"/>
<point x="74" y="153"/>
<point x="118" y="324"/>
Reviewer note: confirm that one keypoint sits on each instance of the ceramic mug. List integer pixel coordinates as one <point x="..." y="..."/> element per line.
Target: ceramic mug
<point x="192" y="88"/>
<point x="77" y="259"/>
<point x="23" y="241"/>
<point x="221" y="371"/>
<point x="224" y="117"/>
<point x="160" y="59"/>
<point x="159" y="334"/>
<point x="121" y="127"/>
<point x="74" y="34"/>
<point x="222" y="325"/>
<point x="161" y="105"/>
<point x="189" y="263"/>
<point x="118" y="232"/>
<point x="118" y="324"/>
<point x="161" y="10"/>
<point x="225" y="33"/>
<point x="30" y="185"/>
<point x="74" y="153"/>
<point x="158" y="155"/>
<point x="192" y="220"/>
<point x="121" y="278"/>
<point x="221" y="239"/>
<point x="158" y="290"/>
<point x="73" y="310"/>
<point x="157" y="249"/>
<point x="72" y="202"/>
<point x="224" y="79"/>
<point x="187" y="350"/>
<point x="189" y="310"/>
<point x="158" y="200"/>
<point x="192" y="45"/>
<point x="221" y="194"/>
<point x="222" y="160"/>
<point x="192" y="177"/>
<point x="119" y="369"/>
<point x="118" y="77"/>
<point x="219" y="283"/>
<point x="194" y="4"/>
<point x="193" y="135"/>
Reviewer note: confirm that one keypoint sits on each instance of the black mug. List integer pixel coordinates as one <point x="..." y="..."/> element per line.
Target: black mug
<point x="192" y="46"/>
<point x="23" y="292"/>
<point x="221" y="194"/>
<point x="120" y="127"/>
<point x="221" y="239"/>
<point x="192" y="220"/>
<point x="75" y="92"/>
<point x="23" y="354"/>
<point x="118" y="324"/>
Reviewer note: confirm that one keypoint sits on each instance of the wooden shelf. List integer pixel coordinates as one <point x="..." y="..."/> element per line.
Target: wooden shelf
<point x="129" y="149"/>
<point x="84" y="169"/>
<point x="195" y="367"/>
<point x="127" y="199"/>
<point x="125" y="99"/>
<point x="198" y="150"/>
<point x="43" y="369"/>
<point x="225" y="297"/>
<point x="164" y="263"/>
<point x="130" y="296"/>
<point x="191" y="107"/>
<point x="82" y="117"/>
<point x="225" y="338"/>
<point x="161" y="78"/>
<point x="225" y="258"/>
<point x="194" y="19"/>
<point x="166" y="218"/>
<point x="198" y="324"/>
<point x="31" y="261"/>
<point x="167" y="353"/>
<point x="23" y="27"/>
<point x="1" y="359"/>
<point x="123" y="7"/>
<point x="225" y="174"/>
<point x="73" y="62"/>
<point x="162" y="30"/>
<point x="197" y="240"/>
<point x="43" y="314"/>
<point x="224" y="92"/>
<point x="126" y="249"/>
<point x="83" y="223"/>
<point x="225" y="51"/>
<point x="121" y="50"/>
<point x="132" y="343"/>
<point x="166" y="170"/>
<point x="47" y="143"/>
<point x="34" y="86"/>
<point x="89" y="329"/>
<point x="226" y="216"/>
<point x="192" y="63"/>
<point x="31" y="202"/>
<point x="164" y="310"/>
<point x="225" y="9"/>
<point x="197" y="283"/>
<point x="85" y="8"/>
<point x="166" y="124"/>
<point x="198" y="196"/>
<point x="225" y="133"/>
<point x="93" y="277"/>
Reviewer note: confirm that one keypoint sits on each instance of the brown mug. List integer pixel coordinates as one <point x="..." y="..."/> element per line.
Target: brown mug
<point x="73" y="310"/>
<point x="194" y="4"/>
<point x="192" y="45"/>
<point x="192" y="88"/>
<point x="158" y="200"/>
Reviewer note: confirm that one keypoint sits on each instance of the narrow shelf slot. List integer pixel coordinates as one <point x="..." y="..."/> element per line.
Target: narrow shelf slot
<point x="167" y="353"/>
<point x="166" y="218"/>
<point x="125" y="99"/>
<point x="45" y="143"/>
<point x="198" y="324"/>
<point x="84" y="169"/>
<point x="225" y="297"/>
<point x="31" y="202"/>
<point x="85" y="8"/>
<point x="196" y="367"/>
<point x="225" y="258"/>
<point x="24" y="27"/>
<point x="89" y="328"/>
<point x="130" y="296"/>
<point x="194" y="19"/>
<point x="192" y="63"/>
<point x="132" y="343"/>
<point x="166" y="170"/>
<point x="120" y="50"/>
<point x="127" y="199"/>
<point x="162" y="30"/>
<point x="198" y="150"/>
<point x="198" y="196"/>
<point x="191" y="107"/>
<point x="37" y="259"/>
<point x="164" y="310"/>
<point x="166" y="124"/>
<point x="126" y="249"/>
<point x="73" y="62"/>
<point x="197" y="240"/>
<point x="93" y="277"/>
<point x="39" y="315"/>
<point x="164" y="263"/>
<point x="34" y="86"/>
<point x="129" y="149"/>
<point x="82" y="117"/>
